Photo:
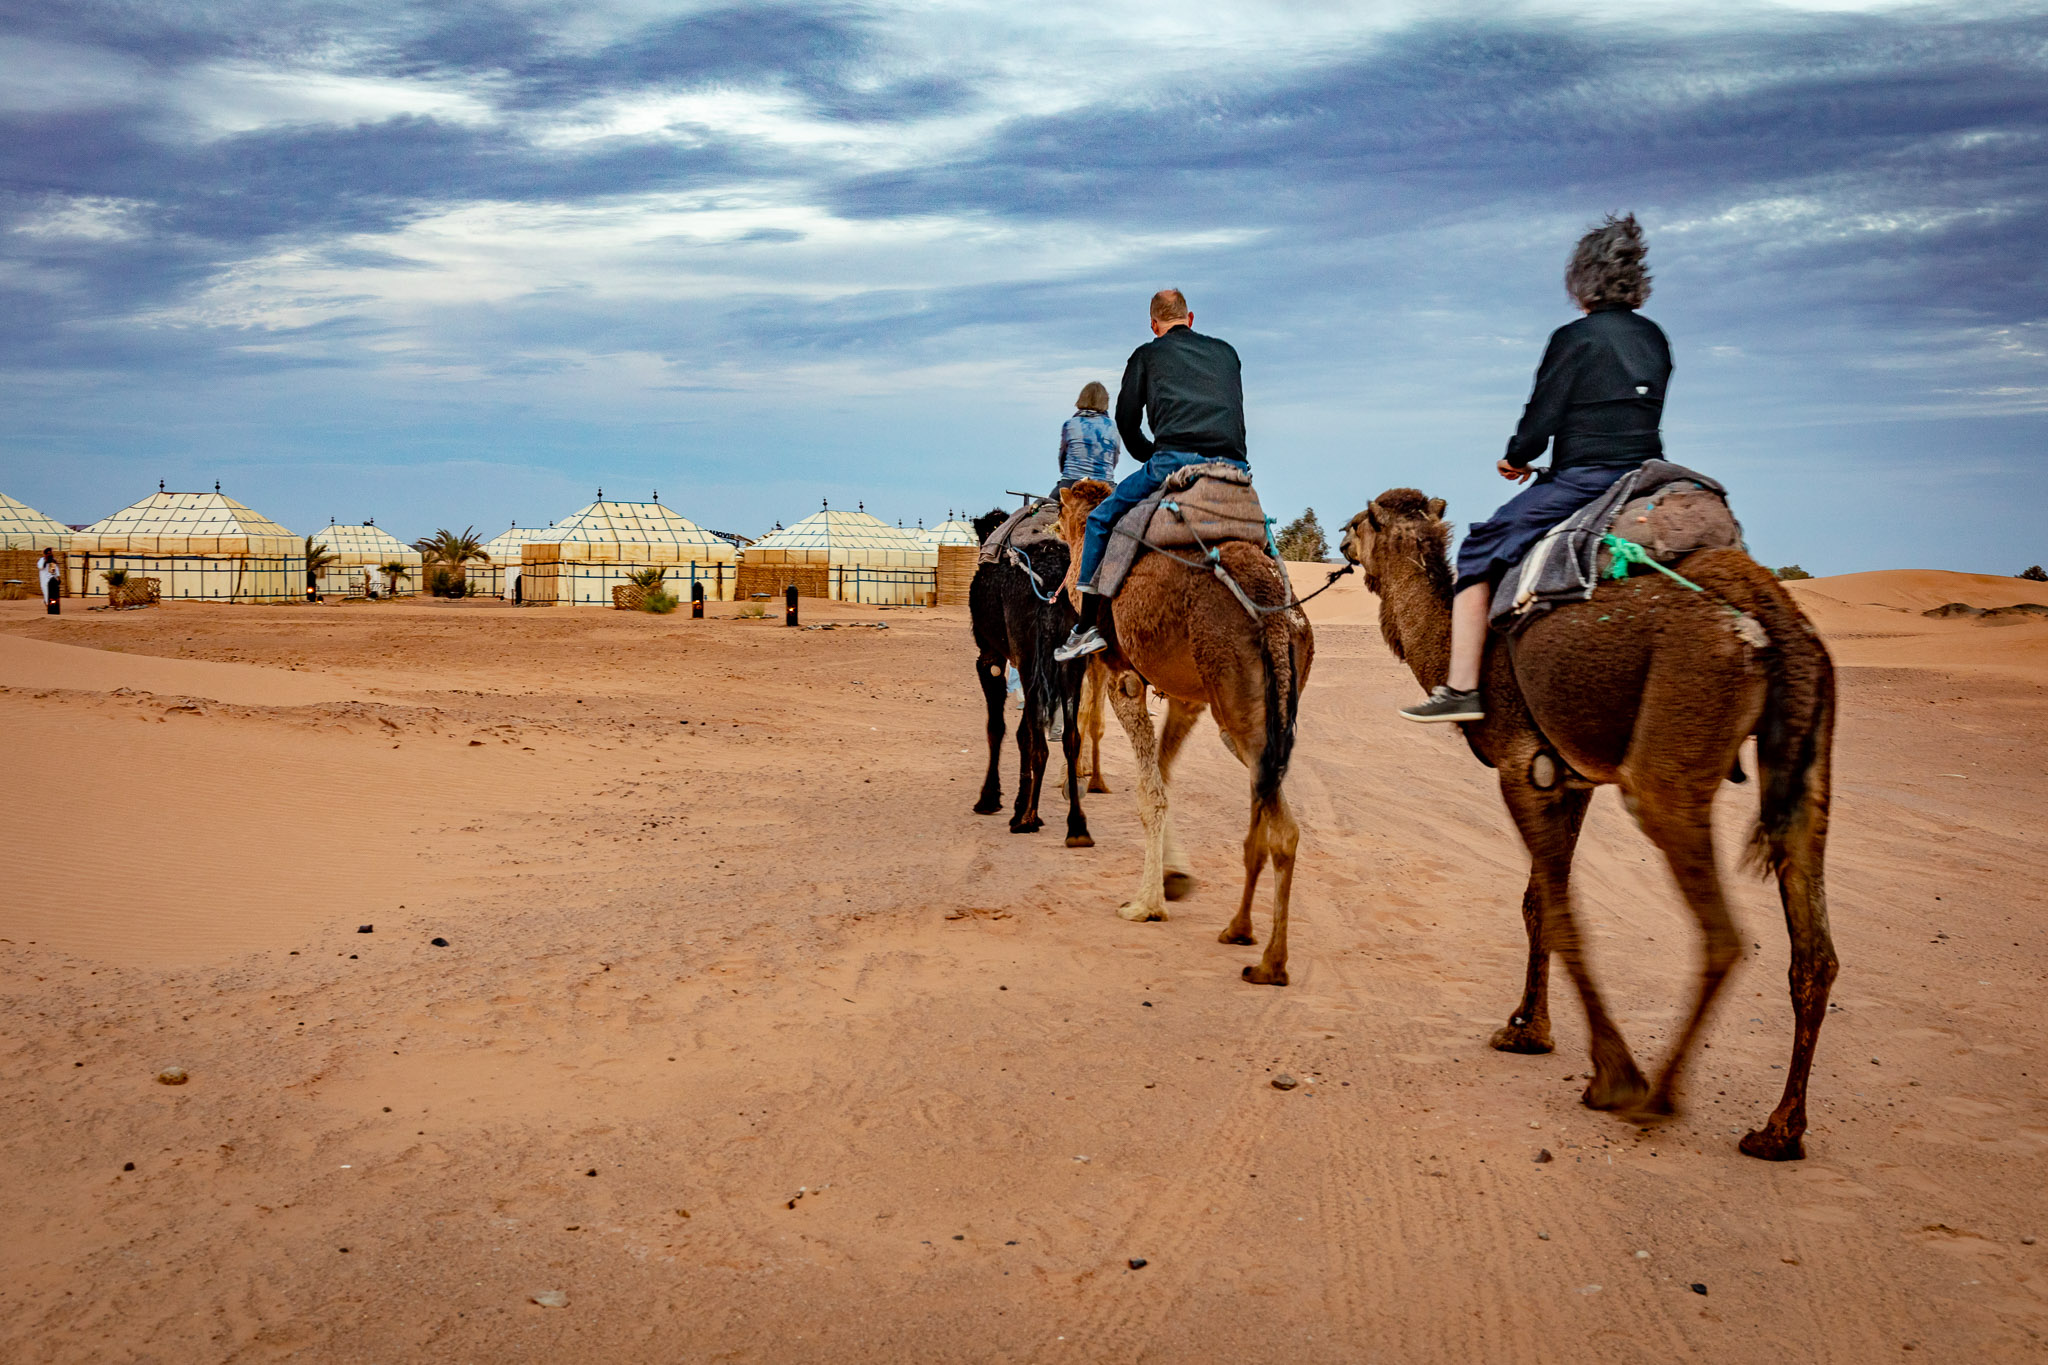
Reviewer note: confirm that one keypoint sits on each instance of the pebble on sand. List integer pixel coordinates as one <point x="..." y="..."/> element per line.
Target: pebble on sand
<point x="365" y="928"/>
<point x="1542" y="1155"/>
<point x="2027" y="1240"/>
<point x="1699" y="1289"/>
<point x="438" y="942"/>
<point x="172" y="1075"/>
<point x="1138" y="1263"/>
<point x="550" y="1298"/>
<point x="1283" y="1081"/>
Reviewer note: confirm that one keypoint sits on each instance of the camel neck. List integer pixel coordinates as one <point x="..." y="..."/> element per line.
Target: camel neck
<point x="1415" y="612"/>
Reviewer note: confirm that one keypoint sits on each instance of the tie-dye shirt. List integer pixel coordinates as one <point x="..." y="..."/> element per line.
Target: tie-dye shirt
<point x="1088" y="447"/>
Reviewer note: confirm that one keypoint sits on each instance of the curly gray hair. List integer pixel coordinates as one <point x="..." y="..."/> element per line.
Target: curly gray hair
<point x="1607" y="269"/>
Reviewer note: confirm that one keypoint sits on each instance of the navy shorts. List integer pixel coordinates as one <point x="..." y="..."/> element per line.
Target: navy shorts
<point x="1494" y="546"/>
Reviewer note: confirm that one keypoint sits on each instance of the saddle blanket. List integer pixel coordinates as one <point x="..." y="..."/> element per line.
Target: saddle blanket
<point x="1027" y="526"/>
<point x="1666" y="508"/>
<point x="1198" y="506"/>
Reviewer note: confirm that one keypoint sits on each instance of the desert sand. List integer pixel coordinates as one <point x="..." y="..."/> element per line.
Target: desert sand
<point x="753" y="1043"/>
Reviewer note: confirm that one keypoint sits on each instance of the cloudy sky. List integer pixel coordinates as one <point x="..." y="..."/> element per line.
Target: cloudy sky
<point x="458" y="264"/>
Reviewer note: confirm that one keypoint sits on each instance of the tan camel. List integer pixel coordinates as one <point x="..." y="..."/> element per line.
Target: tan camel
<point x="1095" y="686"/>
<point x="1183" y="632"/>
<point x="1649" y="686"/>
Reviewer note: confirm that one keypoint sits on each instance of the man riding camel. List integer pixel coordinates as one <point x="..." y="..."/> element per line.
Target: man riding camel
<point x="1598" y="402"/>
<point x="1188" y="386"/>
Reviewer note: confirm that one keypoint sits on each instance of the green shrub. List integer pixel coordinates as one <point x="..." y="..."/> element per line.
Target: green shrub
<point x="659" y="602"/>
<point x="116" y="578"/>
<point x="1793" y="571"/>
<point x="647" y="578"/>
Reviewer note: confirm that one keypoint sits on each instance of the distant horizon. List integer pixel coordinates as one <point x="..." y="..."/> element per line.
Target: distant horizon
<point x="462" y="269"/>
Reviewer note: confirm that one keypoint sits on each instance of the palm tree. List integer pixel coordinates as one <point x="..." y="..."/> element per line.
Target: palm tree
<point x="394" y="573"/>
<point x="450" y="551"/>
<point x="647" y="578"/>
<point x="318" y="557"/>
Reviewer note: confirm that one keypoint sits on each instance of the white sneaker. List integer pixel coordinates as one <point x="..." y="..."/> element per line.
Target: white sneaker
<point x="1081" y="642"/>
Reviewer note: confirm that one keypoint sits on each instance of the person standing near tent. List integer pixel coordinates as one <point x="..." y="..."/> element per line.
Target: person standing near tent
<point x="52" y="579"/>
<point x="1088" y="444"/>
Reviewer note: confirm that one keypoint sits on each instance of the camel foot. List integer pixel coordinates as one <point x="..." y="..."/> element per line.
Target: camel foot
<point x="1624" y="1093"/>
<point x="988" y="805"/>
<point x="1523" y="1038"/>
<point x="1098" y="786"/>
<point x="1770" y="1143"/>
<point x="1026" y="826"/>
<point x="1179" y="886"/>
<point x="1079" y="841"/>
<point x="1140" y="914"/>
<point x="1262" y="975"/>
<point x="1233" y="934"/>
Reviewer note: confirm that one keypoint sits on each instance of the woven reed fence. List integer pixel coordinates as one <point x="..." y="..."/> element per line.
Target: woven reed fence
<point x="812" y="580"/>
<point x="136" y="592"/>
<point x="21" y="565"/>
<point x="957" y="564"/>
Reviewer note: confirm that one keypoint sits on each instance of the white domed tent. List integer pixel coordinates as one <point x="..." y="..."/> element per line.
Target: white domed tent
<point x="200" y="546"/>
<point x="24" y="534"/>
<point x="580" y="560"/>
<point x="361" y="554"/>
<point x="863" y="558"/>
<point x="494" y="577"/>
<point x="951" y="531"/>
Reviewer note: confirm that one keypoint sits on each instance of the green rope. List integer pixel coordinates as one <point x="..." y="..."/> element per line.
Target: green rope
<point x="1627" y="553"/>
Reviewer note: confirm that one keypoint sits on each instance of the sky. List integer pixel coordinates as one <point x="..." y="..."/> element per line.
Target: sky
<point x="467" y="264"/>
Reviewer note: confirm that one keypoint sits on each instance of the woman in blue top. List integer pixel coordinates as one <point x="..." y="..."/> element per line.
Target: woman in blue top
<point x="1088" y="444"/>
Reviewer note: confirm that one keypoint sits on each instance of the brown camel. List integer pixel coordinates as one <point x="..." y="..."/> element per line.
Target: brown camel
<point x="1183" y="631"/>
<point x="1652" y="687"/>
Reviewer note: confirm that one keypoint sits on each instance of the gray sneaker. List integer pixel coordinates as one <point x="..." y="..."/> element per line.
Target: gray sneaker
<point x="1081" y="642"/>
<point x="1445" y="705"/>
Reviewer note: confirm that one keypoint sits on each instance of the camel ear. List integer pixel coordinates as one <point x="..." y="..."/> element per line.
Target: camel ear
<point x="1372" y="515"/>
<point x="1436" y="508"/>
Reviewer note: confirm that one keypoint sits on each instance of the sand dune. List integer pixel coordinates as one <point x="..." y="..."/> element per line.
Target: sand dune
<point x="862" y="1076"/>
<point x="1918" y="589"/>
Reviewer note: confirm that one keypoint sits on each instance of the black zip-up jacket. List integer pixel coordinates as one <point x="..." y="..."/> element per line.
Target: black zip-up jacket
<point x="1190" y="387"/>
<point x="1599" y="393"/>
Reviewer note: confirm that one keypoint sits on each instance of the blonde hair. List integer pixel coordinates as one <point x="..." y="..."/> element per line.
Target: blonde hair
<point x="1169" y="305"/>
<point x="1093" y="397"/>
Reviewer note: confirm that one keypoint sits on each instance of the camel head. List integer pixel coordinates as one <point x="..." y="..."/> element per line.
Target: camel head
<point x="1399" y="522"/>
<point x="1075" y="505"/>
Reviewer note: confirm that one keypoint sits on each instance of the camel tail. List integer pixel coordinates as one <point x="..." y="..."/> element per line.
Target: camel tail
<point x="1283" y="695"/>
<point x="1795" y="735"/>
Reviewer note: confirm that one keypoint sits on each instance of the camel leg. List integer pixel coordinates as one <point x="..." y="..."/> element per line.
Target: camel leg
<point x="1803" y="892"/>
<point x="1031" y="756"/>
<point x="1180" y="720"/>
<point x="1128" y="698"/>
<point x="1070" y="748"/>
<point x="989" y="673"/>
<point x="1279" y="836"/>
<point x="1094" y="683"/>
<point x="1549" y="822"/>
<point x="1684" y="830"/>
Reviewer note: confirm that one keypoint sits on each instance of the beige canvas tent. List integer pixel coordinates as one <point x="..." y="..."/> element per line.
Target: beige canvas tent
<point x="951" y="531"/>
<point x="361" y="554"/>
<point x="24" y="534"/>
<point x="200" y="546"/>
<point x="580" y="560"/>
<point x="864" y="559"/>
<point x="494" y="577"/>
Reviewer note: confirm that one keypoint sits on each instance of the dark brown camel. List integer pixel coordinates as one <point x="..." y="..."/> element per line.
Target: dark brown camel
<point x="1648" y="686"/>
<point x="1183" y="632"/>
<point x="1014" y="625"/>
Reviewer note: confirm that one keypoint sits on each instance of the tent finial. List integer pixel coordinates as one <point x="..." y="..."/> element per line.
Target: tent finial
<point x="216" y="485"/>
<point x="657" y="495"/>
<point x="600" y="495"/>
<point x="159" y="485"/>
<point x="861" y="506"/>
<point x="825" y="503"/>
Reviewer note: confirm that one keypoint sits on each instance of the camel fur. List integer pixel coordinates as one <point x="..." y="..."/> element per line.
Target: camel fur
<point x="1653" y="688"/>
<point x="1182" y="631"/>
<point x="1013" y="626"/>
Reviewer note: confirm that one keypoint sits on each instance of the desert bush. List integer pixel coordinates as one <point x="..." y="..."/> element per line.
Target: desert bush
<point x="2035" y="574"/>
<point x="660" y="601"/>
<point x="1302" y="540"/>
<point x="1792" y="571"/>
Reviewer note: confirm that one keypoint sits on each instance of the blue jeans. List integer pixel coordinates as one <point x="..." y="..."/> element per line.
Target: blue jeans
<point x="1132" y="491"/>
<point x="1493" y="547"/>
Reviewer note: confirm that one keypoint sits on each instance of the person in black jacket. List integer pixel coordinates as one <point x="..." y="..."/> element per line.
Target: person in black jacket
<point x="1598" y="400"/>
<point x="1191" y="389"/>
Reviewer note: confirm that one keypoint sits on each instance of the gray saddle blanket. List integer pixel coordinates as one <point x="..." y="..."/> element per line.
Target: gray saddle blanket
<point x="1198" y="506"/>
<point x="1026" y="527"/>
<point x="1666" y="508"/>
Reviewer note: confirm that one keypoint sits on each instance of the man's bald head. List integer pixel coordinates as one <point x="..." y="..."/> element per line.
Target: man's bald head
<point x="1170" y="306"/>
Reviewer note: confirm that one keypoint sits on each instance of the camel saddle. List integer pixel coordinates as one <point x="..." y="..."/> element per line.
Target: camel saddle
<point x="1199" y="506"/>
<point x="1026" y="527"/>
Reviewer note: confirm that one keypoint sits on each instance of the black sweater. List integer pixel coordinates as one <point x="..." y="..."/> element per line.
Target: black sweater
<point x="1190" y="388"/>
<point x="1599" y="392"/>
